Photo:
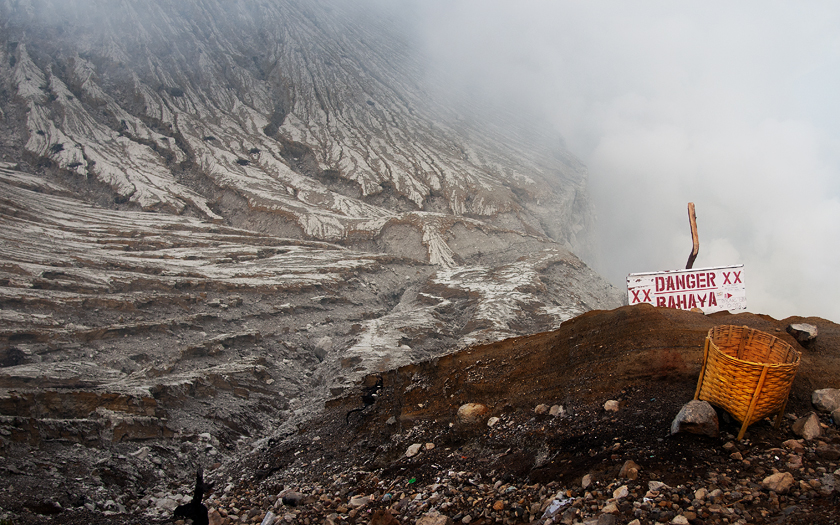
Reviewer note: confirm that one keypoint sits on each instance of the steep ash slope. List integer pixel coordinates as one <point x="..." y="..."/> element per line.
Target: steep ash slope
<point x="312" y="113"/>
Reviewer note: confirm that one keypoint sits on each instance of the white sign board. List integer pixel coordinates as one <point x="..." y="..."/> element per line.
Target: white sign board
<point x="709" y="289"/>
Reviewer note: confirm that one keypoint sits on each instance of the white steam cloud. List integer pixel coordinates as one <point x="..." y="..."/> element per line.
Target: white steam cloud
<point x="732" y="106"/>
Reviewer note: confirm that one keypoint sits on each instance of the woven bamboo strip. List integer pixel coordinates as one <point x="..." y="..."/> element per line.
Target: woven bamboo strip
<point x="754" y="402"/>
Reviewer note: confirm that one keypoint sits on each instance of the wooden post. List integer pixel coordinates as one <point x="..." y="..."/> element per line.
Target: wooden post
<point x="695" y="249"/>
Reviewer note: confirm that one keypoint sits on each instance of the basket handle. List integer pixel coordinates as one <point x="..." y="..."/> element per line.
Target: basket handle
<point x="703" y="370"/>
<point x="753" y="403"/>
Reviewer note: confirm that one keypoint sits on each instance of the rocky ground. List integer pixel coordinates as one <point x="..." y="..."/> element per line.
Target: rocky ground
<point x="407" y="457"/>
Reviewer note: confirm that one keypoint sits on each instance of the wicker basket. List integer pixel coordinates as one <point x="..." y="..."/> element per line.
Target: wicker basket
<point x="748" y="373"/>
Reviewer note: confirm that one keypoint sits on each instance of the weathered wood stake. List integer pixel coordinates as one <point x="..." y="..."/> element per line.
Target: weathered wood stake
<point x="695" y="239"/>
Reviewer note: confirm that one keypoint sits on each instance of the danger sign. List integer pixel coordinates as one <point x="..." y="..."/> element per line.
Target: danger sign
<point x="709" y="289"/>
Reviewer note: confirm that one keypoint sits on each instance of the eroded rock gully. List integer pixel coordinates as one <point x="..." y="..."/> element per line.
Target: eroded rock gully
<point x="340" y="469"/>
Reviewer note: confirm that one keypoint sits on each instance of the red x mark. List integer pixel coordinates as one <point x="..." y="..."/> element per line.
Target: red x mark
<point x="636" y="299"/>
<point x="736" y="275"/>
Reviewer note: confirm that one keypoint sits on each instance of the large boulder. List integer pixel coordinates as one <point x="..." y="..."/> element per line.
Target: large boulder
<point x="696" y="417"/>
<point x="803" y="332"/>
<point x="826" y="399"/>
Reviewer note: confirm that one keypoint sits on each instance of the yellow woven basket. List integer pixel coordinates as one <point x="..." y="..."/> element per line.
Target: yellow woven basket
<point x="748" y="373"/>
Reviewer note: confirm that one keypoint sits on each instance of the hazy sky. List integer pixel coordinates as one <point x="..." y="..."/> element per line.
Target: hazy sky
<point x="733" y="106"/>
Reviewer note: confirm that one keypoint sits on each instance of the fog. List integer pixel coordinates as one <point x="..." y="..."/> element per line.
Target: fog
<point x="732" y="106"/>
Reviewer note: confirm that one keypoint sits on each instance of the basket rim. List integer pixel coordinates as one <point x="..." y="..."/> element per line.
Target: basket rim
<point x="797" y="354"/>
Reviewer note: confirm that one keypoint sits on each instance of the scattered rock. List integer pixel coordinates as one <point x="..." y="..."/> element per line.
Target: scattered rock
<point x="621" y="492"/>
<point x="656" y="485"/>
<point x="434" y="518"/>
<point x="413" y="450"/>
<point x="383" y="517"/>
<point x="292" y="498"/>
<point x="795" y="445"/>
<point x="214" y="517"/>
<point x="826" y="400"/>
<point x="629" y="470"/>
<point x="586" y="481"/>
<point x="803" y="332"/>
<point x="541" y="409"/>
<point x="696" y="417"/>
<point x="358" y="501"/>
<point x="557" y="411"/>
<point x="167" y="504"/>
<point x="610" y="508"/>
<point x="807" y="427"/>
<point x="492" y="421"/>
<point x="779" y="482"/>
<point x="611" y="406"/>
<point x="472" y="413"/>
<point x="827" y="452"/>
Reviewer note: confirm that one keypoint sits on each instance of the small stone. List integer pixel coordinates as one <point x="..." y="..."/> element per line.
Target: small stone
<point x="621" y="492"/>
<point x="586" y="481"/>
<point x="696" y="417"/>
<point x="807" y="427"/>
<point x="541" y="409"/>
<point x="779" y="482"/>
<point x="499" y="505"/>
<point x="557" y="411"/>
<point x="737" y="456"/>
<point x="835" y="416"/>
<point x="383" y="517"/>
<point x="826" y="400"/>
<point x="358" y="501"/>
<point x="656" y="485"/>
<point x="429" y="446"/>
<point x="472" y="413"/>
<point x="168" y="504"/>
<point x="606" y="519"/>
<point x="492" y="421"/>
<point x="794" y="445"/>
<point x="827" y="452"/>
<point x="700" y="494"/>
<point x="268" y="519"/>
<point x="610" y="508"/>
<point x="214" y="517"/>
<point x="680" y="520"/>
<point x="794" y="462"/>
<point x="391" y="421"/>
<point x="629" y="470"/>
<point x="434" y="517"/>
<point x="611" y="406"/>
<point x="292" y="498"/>
<point x="413" y="450"/>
